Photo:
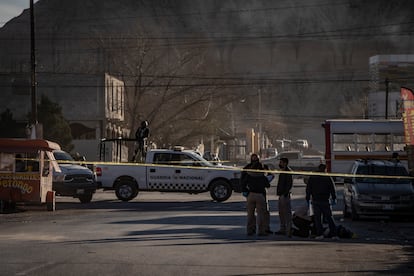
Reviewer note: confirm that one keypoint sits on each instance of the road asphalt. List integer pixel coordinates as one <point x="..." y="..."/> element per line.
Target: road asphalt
<point x="182" y="234"/>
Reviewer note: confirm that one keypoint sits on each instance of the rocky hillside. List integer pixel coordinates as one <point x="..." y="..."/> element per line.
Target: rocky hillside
<point x="308" y="59"/>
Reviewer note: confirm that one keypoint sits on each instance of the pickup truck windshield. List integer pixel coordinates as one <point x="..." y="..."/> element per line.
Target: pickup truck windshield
<point x="180" y="159"/>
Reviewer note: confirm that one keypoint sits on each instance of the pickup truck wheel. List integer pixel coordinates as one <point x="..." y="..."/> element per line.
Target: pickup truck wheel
<point x="126" y="191"/>
<point x="85" y="198"/>
<point x="220" y="190"/>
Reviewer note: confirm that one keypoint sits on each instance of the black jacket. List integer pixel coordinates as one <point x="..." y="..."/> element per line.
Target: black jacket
<point x="284" y="185"/>
<point x="320" y="187"/>
<point x="253" y="181"/>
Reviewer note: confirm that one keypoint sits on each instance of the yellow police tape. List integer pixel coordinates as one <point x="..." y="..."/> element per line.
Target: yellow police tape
<point x="227" y="168"/>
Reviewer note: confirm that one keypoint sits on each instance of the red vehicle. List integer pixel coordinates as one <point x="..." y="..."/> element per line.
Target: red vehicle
<point x="26" y="171"/>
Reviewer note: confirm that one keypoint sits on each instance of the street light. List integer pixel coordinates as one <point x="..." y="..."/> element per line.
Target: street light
<point x="260" y="120"/>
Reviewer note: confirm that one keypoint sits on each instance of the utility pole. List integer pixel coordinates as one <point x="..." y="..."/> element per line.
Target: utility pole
<point x="33" y="122"/>
<point x="261" y="137"/>
<point x="386" y="97"/>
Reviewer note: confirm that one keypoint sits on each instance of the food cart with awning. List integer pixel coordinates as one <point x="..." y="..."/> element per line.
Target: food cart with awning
<point x="26" y="171"/>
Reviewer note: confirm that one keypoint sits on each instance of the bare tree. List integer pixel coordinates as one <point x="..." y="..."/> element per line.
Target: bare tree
<point x="162" y="87"/>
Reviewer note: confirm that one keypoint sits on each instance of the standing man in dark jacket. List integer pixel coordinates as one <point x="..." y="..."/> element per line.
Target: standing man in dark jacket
<point x="254" y="158"/>
<point x="254" y="186"/>
<point x="284" y="186"/>
<point x="320" y="188"/>
<point x="141" y="135"/>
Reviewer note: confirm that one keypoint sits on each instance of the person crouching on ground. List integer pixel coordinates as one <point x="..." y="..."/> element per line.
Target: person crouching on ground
<point x="254" y="184"/>
<point x="320" y="188"/>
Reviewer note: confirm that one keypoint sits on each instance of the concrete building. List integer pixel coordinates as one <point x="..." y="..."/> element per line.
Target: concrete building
<point x="388" y="73"/>
<point x="94" y="105"/>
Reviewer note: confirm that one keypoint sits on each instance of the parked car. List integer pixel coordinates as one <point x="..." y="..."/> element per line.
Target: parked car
<point x="297" y="161"/>
<point x="74" y="180"/>
<point x="364" y="195"/>
<point x="302" y="144"/>
<point x="269" y="153"/>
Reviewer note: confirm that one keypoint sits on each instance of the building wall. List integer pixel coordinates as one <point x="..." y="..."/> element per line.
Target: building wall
<point x="94" y="105"/>
<point x="393" y="71"/>
<point x="15" y="95"/>
<point x="376" y="105"/>
<point x="114" y="98"/>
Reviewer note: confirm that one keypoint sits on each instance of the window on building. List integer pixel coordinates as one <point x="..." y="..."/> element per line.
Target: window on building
<point x="364" y="142"/>
<point x="344" y="142"/>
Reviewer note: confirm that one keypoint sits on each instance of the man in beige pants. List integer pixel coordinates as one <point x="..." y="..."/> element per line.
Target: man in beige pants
<point x="254" y="184"/>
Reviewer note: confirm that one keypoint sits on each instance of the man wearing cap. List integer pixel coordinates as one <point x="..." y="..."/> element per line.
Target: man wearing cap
<point x="254" y="184"/>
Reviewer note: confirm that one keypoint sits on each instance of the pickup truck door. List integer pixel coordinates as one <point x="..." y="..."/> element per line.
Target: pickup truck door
<point x="176" y="172"/>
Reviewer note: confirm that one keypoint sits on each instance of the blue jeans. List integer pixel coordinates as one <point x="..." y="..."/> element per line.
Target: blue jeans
<point x="319" y="209"/>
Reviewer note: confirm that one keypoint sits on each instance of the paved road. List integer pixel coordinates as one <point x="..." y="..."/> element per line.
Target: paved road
<point x="180" y="234"/>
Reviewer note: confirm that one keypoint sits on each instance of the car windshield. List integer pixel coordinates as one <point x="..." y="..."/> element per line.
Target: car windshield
<point x="188" y="158"/>
<point x="383" y="170"/>
<point x="61" y="155"/>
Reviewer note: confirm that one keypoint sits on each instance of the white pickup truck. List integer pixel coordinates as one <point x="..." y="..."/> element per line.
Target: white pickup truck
<point x="297" y="161"/>
<point x="165" y="170"/>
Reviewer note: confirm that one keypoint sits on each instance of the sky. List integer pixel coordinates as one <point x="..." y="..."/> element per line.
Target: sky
<point x="12" y="8"/>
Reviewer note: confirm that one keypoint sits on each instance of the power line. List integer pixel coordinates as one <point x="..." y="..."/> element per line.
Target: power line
<point x="218" y="85"/>
<point x="290" y="75"/>
<point x="202" y="38"/>
<point x="226" y="81"/>
<point x="198" y="13"/>
<point x="183" y="85"/>
<point x="337" y="76"/>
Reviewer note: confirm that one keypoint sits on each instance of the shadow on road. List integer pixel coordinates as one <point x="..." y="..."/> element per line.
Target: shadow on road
<point x="189" y="223"/>
<point x="186" y="230"/>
